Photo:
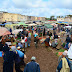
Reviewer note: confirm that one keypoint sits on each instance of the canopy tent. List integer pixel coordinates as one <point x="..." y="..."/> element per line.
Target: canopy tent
<point x="32" y="24"/>
<point x="4" y="31"/>
<point x="5" y="24"/>
<point x="53" y="24"/>
<point x="12" y="26"/>
<point x="17" y="31"/>
<point x="67" y="27"/>
<point x="2" y="24"/>
<point x="48" y="26"/>
<point x="59" y="22"/>
<point x="22" y="23"/>
<point x="70" y="23"/>
<point x="65" y="23"/>
<point x="39" y="23"/>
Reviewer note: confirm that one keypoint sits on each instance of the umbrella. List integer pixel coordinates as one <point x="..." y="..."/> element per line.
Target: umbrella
<point x="17" y="31"/>
<point x="48" y="26"/>
<point x="32" y="24"/>
<point x="22" y="23"/>
<point x="4" y="31"/>
<point x="53" y="24"/>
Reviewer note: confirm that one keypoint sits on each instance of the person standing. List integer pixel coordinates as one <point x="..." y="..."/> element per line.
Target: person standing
<point x="47" y="40"/>
<point x="10" y="30"/>
<point x="60" y="57"/>
<point x="17" y="59"/>
<point x="64" y="65"/>
<point x="68" y="40"/>
<point x="29" y="35"/>
<point x="48" y="32"/>
<point x="9" y="57"/>
<point x="39" y="31"/>
<point x="44" y="32"/>
<point x="32" y="66"/>
<point x="36" y="40"/>
<point x="25" y="39"/>
<point x="1" y="45"/>
<point x="71" y="33"/>
<point x="70" y="56"/>
<point x="28" y="41"/>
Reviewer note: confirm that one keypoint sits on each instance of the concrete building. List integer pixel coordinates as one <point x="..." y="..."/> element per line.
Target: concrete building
<point x="43" y="18"/>
<point x="32" y="18"/>
<point x="66" y="19"/>
<point x="1" y="17"/>
<point x="11" y="17"/>
<point x="60" y="19"/>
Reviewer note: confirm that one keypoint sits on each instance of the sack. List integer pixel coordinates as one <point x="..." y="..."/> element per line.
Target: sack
<point x="20" y="53"/>
<point x="49" y="43"/>
<point x="54" y="45"/>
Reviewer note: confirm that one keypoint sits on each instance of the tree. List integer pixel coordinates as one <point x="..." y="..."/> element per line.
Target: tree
<point x="52" y="18"/>
<point x="58" y="16"/>
<point x="47" y="18"/>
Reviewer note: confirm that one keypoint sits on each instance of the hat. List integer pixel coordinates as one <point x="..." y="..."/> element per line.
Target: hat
<point x="13" y="48"/>
<point x="33" y="58"/>
<point x="64" y="54"/>
<point x="66" y="51"/>
<point x="18" y="47"/>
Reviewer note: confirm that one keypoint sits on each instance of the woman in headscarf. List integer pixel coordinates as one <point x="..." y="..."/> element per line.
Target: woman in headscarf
<point x="70" y="56"/>
<point x="47" y="41"/>
<point x="9" y="57"/>
<point x="17" y="60"/>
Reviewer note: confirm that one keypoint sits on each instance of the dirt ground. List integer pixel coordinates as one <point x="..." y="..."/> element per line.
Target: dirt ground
<point x="44" y="56"/>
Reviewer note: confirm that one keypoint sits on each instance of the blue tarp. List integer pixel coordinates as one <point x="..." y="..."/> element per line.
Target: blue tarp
<point x="65" y="22"/>
<point x="2" y="24"/>
<point x="5" y="24"/>
<point x="59" y="22"/>
<point x="0" y="54"/>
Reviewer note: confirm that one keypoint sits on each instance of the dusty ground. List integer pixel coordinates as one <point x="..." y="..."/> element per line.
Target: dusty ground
<point x="44" y="56"/>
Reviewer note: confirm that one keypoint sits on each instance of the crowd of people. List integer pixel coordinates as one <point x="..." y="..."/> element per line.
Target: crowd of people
<point x="16" y="53"/>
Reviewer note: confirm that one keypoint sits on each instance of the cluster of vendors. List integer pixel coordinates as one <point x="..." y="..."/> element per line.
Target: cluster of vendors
<point x="14" y="48"/>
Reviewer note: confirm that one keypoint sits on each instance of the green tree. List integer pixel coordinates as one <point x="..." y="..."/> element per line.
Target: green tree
<point x="52" y="17"/>
<point x="58" y="16"/>
<point x="47" y="18"/>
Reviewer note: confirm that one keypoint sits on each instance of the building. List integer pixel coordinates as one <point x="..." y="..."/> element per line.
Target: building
<point x="11" y="17"/>
<point x="32" y="18"/>
<point x="60" y="19"/>
<point x="42" y="18"/>
<point x="1" y="17"/>
<point x="68" y="18"/>
<point x="35" y="18"/>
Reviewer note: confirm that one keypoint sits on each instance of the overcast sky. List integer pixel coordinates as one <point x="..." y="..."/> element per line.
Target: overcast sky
<point x="43" y="8"/>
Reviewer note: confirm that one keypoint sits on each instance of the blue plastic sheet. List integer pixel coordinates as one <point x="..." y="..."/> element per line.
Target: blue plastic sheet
<point x="0" y="54"/>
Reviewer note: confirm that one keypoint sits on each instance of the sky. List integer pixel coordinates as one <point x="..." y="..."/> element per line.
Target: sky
<point x="41" y="8"/>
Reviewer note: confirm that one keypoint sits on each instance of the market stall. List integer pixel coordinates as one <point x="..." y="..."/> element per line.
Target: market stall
<point x="12" y="26"/>
<point x="16" y="31"/>
<point x="22" y="23"/>
<point x="4" y="31"/>
<point x="48" y="26"/>
<point x="32" y="24"/>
